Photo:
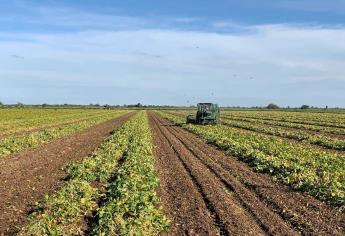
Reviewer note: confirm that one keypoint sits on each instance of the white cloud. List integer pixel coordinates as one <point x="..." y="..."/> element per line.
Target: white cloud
<point x="186" y="19"/>
<point x="259" y="62"/>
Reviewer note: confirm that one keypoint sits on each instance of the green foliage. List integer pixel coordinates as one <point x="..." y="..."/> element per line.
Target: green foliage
<point x="131" y="206"/>
<point x="289" y="124"/>
<point x="308" y="118"/>
<point x="272" y="106"/>
<point x="14" y="121"/>
<point x="101" y="165"/>
<point x="300" y="135"/>
<point x="62" y="213"/>
<point x="320" y="173"/>
<point x="16" y="144"/>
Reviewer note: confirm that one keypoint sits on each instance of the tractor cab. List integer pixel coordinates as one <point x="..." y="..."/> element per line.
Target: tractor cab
<point x="207" y="113"/>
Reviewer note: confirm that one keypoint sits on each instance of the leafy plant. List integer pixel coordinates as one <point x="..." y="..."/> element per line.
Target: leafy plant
<point x="16" y="144"/>
<point x="319" y="173"/>
<point x="131" y="205"/>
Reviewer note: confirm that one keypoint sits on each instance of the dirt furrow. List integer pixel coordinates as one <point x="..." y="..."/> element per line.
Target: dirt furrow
<point x="301" y="210"/>
<point x="272" y="223"/>
<point x="27" y="176"/>
<point x="182" y="202"/>
<point x="273" y="205"/>
<point x="230" y="213"/>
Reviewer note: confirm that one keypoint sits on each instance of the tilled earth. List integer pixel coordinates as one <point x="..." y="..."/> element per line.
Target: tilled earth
<point x="26" y="177"/>
<point x="206" y="192"/>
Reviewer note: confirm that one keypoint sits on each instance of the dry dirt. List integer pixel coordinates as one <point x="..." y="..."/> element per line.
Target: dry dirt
<point x="206" y="192"/>
<point x="26" y="177"/>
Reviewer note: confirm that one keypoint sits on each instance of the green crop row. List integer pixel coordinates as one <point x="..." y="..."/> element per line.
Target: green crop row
<point x="43" y="119"/>
<point x="308" y="118"/>
<point x="18" y="143"/>
<point x="318" y="139"/>
<point x="62" y="213"/>
<point x="131" y="188"/>
<point x="131" y="199"/>
<point x="316" y="128"/>
<point x="319" y="173"/>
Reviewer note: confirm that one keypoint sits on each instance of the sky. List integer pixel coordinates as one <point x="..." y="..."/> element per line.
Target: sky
<point x="234" y="53"/>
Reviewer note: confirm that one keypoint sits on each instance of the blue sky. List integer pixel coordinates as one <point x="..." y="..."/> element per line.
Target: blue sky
<point x="246" y="53"/>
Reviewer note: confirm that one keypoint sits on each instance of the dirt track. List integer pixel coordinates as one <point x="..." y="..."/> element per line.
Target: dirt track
<point x="205" y="191"/>
<point x="26" y="177"/>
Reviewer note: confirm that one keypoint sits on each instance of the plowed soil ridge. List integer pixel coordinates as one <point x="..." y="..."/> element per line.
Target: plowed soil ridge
<point x="26" y="177"/>
<point x="246" y="202"/>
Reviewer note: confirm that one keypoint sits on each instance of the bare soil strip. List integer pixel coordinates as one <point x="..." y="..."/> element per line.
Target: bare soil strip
<point x="182" y="200"/>
<point x="242" y="202"/>
<point x="26" y="177"/>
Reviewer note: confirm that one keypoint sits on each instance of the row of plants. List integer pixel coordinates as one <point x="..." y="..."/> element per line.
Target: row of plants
<point x="31" y="113"/>
<point x="319" y="173"/>
<point x="115" y="188"/>
<point x="45" y="118"/>
<point x="16" y="144"/>
<point x="130" y="207"/>
<point x="318" y="139"/>
<point x="314" y="128"/>
<point x="320" y="119"/>
<point x="307" y="118"/>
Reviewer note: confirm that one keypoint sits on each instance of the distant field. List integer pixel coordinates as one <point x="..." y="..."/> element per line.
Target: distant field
<point x="16" y="120"/>
<point x="303" y="149"/>
<point x="24" y="128"/>
<point x="136" y="172"/>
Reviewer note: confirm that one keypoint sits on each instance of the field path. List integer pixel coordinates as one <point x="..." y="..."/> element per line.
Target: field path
<point x="203" y="191"/>
<point x="27" y="176"/>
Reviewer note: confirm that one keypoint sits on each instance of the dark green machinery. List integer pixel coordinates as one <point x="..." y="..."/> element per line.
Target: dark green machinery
<point x="208" y="113"/>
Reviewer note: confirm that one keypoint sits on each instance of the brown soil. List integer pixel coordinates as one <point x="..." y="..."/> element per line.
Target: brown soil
<point x="26" y="177"/>
<point x="203" y="191"/>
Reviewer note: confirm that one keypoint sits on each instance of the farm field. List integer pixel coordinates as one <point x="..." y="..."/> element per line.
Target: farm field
<point x="25" y="128"/>
<point x="148" y="173"/>
<point x="172" y="118"/>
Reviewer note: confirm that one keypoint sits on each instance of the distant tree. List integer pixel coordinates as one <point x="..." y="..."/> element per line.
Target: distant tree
<point x="1" y="104"/>
<point x="305" y="107"/>
<point x="272" y="106"/>
<point x="326" y="107"/>
<point x="19" y="104"/>
<point x="44" y="105"/>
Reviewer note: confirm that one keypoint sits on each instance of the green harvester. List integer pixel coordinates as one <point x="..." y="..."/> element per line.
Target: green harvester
<point x="207" y="113"/>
